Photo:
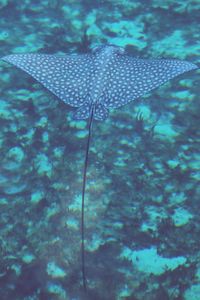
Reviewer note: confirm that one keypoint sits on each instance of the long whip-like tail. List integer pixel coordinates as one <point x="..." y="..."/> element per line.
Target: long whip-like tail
<point x="83" y="201"/>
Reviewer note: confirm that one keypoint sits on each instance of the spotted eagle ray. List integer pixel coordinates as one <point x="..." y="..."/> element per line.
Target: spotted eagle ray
<point x="105" y="78"/>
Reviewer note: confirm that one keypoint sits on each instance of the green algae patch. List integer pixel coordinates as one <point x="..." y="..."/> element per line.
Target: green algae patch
<point x="16" y="153"/>
<point x="72" y="223"/>
<point x="176" y="45"/>
<point x="177" y="198"/>
<point x="127" y="33"/>
<point x="148" y="260"/>
<point x="3" y="3"/>
<point x="55" y="271"/>
<point x="5" y="111"/>
<point x="81" y="134"/>
<point x="37" y="197"/>
<point x="193" y="292"/>
<point x="78" y="124"/>
<point x="194" y="163"/>
<point x="181" y="217"/>
<point x="165" y="130"/>
<point x="57" y="291"/>
<point x="42" y="164"/>
<point x="28" y="258"/>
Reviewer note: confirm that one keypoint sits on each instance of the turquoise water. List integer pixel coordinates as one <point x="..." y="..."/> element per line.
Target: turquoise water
<point x="142" y="201"/>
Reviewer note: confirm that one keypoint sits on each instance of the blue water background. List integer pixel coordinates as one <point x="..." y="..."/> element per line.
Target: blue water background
<point x="142" y="203"/>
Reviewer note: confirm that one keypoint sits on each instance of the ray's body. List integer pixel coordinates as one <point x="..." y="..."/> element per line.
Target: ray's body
<point x="106" y="78"/>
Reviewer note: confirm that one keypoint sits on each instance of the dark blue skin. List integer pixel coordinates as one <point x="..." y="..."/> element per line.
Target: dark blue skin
<point x="106" y="78"/>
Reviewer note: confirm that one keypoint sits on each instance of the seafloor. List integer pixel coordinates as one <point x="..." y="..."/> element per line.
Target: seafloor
<point x="143" y="191"/>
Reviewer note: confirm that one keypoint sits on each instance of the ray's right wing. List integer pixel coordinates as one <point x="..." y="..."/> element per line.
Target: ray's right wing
<point x="67" y="76"/>
<point x="130" y="78"/>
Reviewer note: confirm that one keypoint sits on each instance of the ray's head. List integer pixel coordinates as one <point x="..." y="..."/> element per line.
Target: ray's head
<point x="108" y="49"/>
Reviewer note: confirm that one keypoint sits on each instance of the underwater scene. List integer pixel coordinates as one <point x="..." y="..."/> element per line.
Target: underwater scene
<point x="138" y="237"/>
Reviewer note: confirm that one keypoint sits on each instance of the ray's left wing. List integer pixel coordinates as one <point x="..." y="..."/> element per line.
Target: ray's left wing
<point x="66" y="76"/>
<point x="130" y="78"/>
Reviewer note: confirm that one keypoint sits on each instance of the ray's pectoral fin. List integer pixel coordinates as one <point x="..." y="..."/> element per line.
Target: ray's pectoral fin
<point x="100" y="112"/>
<point x="83" y="112"/>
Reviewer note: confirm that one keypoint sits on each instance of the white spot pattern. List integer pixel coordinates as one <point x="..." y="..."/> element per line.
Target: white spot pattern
<point x="100" y="112"/>
<point x="131" y="78"/>
<point x="104" y="79"/>
<point x="83" y="111"/>
<point x="66" y="76"/>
